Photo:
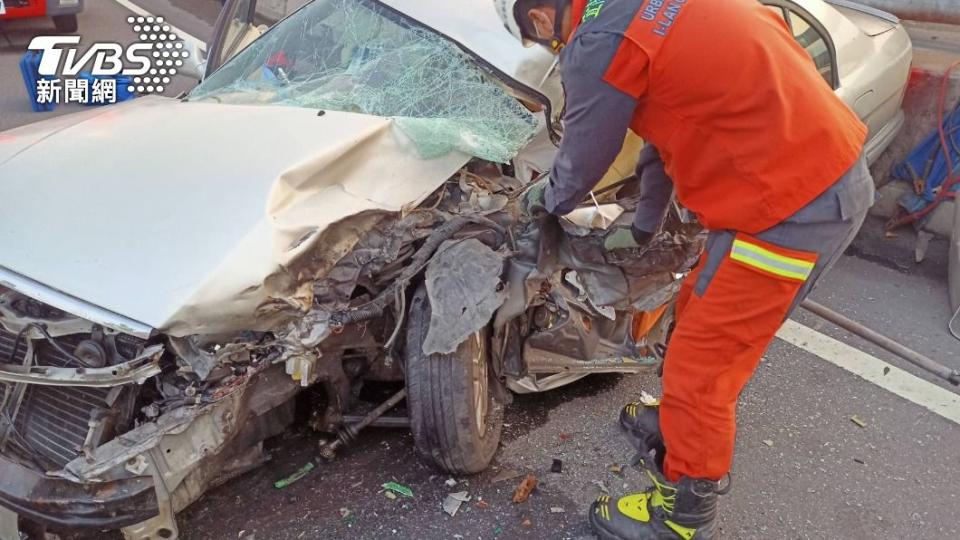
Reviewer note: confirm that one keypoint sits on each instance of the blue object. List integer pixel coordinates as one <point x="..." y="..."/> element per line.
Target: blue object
<point x="30" y="69"/>
<point x="926" y="166"/>
<point x="123" y="82"/>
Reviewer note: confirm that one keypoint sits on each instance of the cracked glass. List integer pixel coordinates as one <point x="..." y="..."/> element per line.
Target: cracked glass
<point x="356" y="56"/>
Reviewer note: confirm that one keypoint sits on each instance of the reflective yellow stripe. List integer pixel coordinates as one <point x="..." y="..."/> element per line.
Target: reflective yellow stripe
<point x="772" y="255"/>
<point x="775" y="263"/>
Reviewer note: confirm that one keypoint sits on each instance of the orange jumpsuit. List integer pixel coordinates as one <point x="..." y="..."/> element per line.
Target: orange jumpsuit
<point x="756" y="143"/>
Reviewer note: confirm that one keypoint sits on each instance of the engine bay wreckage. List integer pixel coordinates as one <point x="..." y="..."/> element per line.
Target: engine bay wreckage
<point x="102" y="428"/>
<point x="359" y="250"/>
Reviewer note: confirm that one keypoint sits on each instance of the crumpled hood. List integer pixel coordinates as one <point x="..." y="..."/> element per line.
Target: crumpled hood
<point x="192" y="217"/>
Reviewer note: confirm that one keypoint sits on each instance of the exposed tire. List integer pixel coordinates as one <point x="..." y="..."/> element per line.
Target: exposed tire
<point x="456" y="423"/>
<point x="66" y="24"/>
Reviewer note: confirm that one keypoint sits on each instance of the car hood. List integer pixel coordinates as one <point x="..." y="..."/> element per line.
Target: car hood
<point x="194" y="217"/>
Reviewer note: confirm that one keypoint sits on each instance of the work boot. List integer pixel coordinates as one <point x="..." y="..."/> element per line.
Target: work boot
<point x="641" y="423"/>
<point x="685" y="510"/>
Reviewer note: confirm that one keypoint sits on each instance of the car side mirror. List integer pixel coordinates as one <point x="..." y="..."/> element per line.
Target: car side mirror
<point x="195" y="64"/>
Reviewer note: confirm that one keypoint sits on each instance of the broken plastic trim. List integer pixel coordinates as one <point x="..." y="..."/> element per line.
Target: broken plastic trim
<point x="134" y="371"/>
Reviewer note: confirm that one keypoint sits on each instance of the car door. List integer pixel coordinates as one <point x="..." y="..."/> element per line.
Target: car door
<point x="240" y="23"/>
<point x="811" y="35"/>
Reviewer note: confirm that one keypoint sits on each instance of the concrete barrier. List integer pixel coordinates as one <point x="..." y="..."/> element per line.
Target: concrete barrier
<point x="935" y="11"/>
<point x="935" y="48"/>
<point x="954" y="267"/>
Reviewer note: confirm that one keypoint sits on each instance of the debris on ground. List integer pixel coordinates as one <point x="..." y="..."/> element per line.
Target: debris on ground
<point x="300" y="473"/>
<point x="564" y="437"/>
<point x="616" y="469"/>
<point x="390" y="495"/>
<point x="767" y="442"/>
<point x="557" y="466"/>
<point x="601" y="485"/>
<point x="527" y="523"/>
<point x="453" y="501"/>
<point x="506" y="474"/>
<point x="482" y="504"/>
<point x="498" y="530"/>
<point x="399" y="489"/>
<point x="526" y="487"/>
<point x="649" y="400"/>
<point x="450" y="482"/>
<point x="856" y="420"/>
<point x="347" y="515"/>
<point x="860" y="461"/>
<point x="556" y="510"/>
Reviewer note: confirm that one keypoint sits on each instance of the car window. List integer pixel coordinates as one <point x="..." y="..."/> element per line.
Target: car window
<point x="810" y="35"/>
<point x="810" y="39"/>
<point x="357" y="56"/>
<point x="270" y="12"/>
<point x="238" y="31"/>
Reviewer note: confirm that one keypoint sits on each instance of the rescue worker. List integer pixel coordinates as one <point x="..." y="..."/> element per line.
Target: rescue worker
<point x="741" y="124"/>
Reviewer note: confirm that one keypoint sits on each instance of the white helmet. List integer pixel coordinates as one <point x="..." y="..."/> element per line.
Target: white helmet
<point x="505" y="9"/>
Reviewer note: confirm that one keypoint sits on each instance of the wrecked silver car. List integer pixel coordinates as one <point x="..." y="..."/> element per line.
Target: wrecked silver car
<point x="350" y="215"/>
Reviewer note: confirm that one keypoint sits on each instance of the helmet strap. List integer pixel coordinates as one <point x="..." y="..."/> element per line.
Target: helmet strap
<point x="559" y="9"/>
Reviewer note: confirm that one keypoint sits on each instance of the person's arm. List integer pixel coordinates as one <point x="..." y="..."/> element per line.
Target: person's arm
<point x="656" y="191"/>
<point x="597" y="117"/>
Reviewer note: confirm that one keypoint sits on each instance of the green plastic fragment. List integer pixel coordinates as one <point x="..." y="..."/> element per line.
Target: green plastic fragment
<point x="399" y="489"/>
<point x="301" y="472"/>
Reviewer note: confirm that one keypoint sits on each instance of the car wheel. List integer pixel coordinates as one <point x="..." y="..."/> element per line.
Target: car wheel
<point x="455" y="420"/>
<point x="66" y="24"/>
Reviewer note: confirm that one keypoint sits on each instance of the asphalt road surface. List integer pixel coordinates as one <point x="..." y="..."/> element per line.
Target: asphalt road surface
<point x="803" y="469"/>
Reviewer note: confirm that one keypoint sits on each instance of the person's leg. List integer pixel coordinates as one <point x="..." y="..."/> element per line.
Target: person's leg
<point x="744" y="292"/>
<point x="728" y="312"/>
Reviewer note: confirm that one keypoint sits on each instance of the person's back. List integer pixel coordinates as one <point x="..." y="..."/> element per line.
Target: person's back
<point x="736" y="107"/>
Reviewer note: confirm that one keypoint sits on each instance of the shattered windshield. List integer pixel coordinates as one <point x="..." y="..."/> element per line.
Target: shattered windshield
<point x="354" y="56"/>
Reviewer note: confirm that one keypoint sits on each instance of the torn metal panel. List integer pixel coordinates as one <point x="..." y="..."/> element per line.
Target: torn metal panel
<point x="188" y="449"/>
<point x="109" y="503"/>
<point x="539" y="383"/>
<point x="540" y="361"/>
<point x="137" y="370"/>
<point x="204" y="362"/>
<point x="464" y="287"/>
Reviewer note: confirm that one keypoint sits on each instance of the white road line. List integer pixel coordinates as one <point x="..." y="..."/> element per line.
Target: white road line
<point x="870" y="368"/>
<point x="137" y="10"/>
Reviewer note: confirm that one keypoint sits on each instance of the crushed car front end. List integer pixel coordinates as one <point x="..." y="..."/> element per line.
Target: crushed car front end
<point x="102" y="428"/>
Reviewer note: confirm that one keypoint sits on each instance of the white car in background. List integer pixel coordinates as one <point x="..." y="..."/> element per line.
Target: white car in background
<point x="865" y="55"/>
<point x="209" y="257"/>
